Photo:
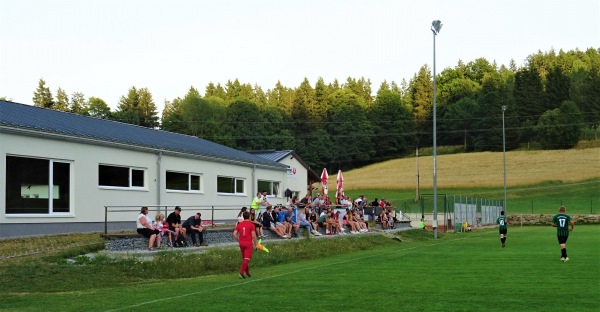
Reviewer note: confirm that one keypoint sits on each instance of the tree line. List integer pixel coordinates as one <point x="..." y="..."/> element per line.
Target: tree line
<point x="549" y="101"/>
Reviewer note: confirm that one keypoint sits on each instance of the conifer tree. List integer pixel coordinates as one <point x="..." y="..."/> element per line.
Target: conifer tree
<point x="42" y="97"/>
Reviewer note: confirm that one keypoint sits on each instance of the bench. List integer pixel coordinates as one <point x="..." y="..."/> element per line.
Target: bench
<point x="135" y="241"/>
<point x="403" y="224"/>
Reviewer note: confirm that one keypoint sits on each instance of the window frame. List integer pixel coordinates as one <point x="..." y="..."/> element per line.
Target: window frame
<point x="235" y="184"/>
<point x="51" y="188"/>
<point x="189" y="182"/>
<point x="130" y="178"/>
<point x="270" y="193"/>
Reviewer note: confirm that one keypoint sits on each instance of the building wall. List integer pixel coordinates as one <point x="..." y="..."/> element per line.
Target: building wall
<point x="88" y="199"/>
<point x="297" y="180"/>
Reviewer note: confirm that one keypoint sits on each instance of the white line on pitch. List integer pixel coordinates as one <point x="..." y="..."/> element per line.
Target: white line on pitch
<point x="283" y="274"/>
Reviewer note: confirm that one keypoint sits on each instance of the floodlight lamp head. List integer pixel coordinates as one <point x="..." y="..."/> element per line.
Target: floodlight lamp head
<point x="504" y="107"/>
<point x="436" y="26"/>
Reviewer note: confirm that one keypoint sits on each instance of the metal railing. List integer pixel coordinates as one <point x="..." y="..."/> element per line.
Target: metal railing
<point x="211" y="210"/>
<point x="166" y="209"/>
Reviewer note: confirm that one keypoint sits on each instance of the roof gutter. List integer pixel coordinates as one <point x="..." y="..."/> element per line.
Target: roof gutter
<point x="158" y="181"/>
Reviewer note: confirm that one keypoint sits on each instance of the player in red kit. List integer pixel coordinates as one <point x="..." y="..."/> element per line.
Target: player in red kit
<point x="245" y="234"/>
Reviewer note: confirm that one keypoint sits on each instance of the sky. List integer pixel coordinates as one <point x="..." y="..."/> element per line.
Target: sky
<point x="103" y="48"/>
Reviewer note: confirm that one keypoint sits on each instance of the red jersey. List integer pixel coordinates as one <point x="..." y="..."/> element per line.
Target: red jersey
<point x="245" y="230"/>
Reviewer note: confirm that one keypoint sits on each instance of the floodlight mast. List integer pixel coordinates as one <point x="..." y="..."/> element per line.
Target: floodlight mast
<point x="436" y="26"/>
<point x="504" y="155"/>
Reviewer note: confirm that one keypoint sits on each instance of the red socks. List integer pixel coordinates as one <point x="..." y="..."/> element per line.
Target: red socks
<point x="244" y="268"/>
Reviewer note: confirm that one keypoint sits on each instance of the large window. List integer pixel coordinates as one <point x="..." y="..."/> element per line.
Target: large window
<point x="121" y="177"/>
<point x="230" y="185"/>
<point x="37" y="186"/>
<point x="186" y="182"/>
<point x="272" y="187"/>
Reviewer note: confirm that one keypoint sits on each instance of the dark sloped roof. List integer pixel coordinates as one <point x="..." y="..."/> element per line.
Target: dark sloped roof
<point x="20" y="116"/>
<point x="271" y="154"/>
<point x="279" y="155"/>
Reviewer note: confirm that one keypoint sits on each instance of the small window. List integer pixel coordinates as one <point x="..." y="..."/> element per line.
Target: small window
<point x="272" y="187"/>
<point x="137" y="178"/>
<point x="186" y="182"/>
<point x="122" y="177"/>
<point x="230" y="185"/>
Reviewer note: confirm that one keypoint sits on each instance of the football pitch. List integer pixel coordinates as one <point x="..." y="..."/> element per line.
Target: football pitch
<point x="459" y="272"/>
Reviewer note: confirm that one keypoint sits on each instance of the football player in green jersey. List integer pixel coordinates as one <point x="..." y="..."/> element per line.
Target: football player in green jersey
<point x="503" y="222"/>
<point x="561" y="222"/>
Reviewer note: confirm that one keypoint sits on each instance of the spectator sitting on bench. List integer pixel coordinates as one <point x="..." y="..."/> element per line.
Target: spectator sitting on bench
<point x="319" y="203"/>
<point x="144" y="227"/>
<point x="163" y="227"/>
<point x="383" y="219"/>
<point x="193" y="227"/>
<point x="348" y="221"/>
<point x="346" y="202"/>
<point x="360" y="224"/>
<point x="293" y="202"/>
<point x="305" y="201"/>
<point x="322" y="221"/>
<point x="269" y="223"/>
<point x="379" y="218"/>
<point x="282" y="227"/>
<point x="281" y="212"/>
<point x="359" y="201"/>
<point x="240" y="216"/>
<point x="326" y="201"/>
<point x="290" y="218"/>
<point x="174" y="221"/>
<point x="336" y="227"/>
<point x="339" y="221"/>
<point x="391" y="219"/>
<point x="313" y="218"/>
<point x="303" y="222"/>
<point x="257" y="225"/>
<point x="360" y="215"/>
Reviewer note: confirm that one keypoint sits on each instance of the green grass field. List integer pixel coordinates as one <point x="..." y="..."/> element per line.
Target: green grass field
<point x="457" y="272"/>
<point x="579" y="198"/>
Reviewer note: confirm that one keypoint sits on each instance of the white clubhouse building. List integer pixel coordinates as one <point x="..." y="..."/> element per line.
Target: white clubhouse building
<point x="59" y="171"/>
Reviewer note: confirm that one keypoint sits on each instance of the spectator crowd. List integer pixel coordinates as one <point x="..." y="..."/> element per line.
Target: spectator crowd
<point x="343" y="217"/>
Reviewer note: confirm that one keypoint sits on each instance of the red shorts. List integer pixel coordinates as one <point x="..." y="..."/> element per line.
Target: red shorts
<point x="246" y="250"/>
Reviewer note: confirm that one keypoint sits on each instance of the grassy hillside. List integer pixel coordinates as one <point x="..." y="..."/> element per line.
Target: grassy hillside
<point x="479" y="170"/>
<point x="537" y="181"/>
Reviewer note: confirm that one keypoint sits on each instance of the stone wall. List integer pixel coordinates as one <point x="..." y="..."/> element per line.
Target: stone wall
<point x="546" y="219"/>
<point x="216" y="236"/>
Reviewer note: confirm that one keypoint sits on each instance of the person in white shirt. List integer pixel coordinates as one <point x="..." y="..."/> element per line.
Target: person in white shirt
<point x="346" y="203"/>
<point x="144" y="227"/>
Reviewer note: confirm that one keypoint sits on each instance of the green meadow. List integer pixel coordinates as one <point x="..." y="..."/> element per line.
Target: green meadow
<point x="579" y="198"/>
<point x="538" y="181"/>
<point x="456" y="272"/>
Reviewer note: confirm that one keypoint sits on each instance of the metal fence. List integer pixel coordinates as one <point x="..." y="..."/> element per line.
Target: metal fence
<point x="457" y="212"/>
<point x="215" y="214"/>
